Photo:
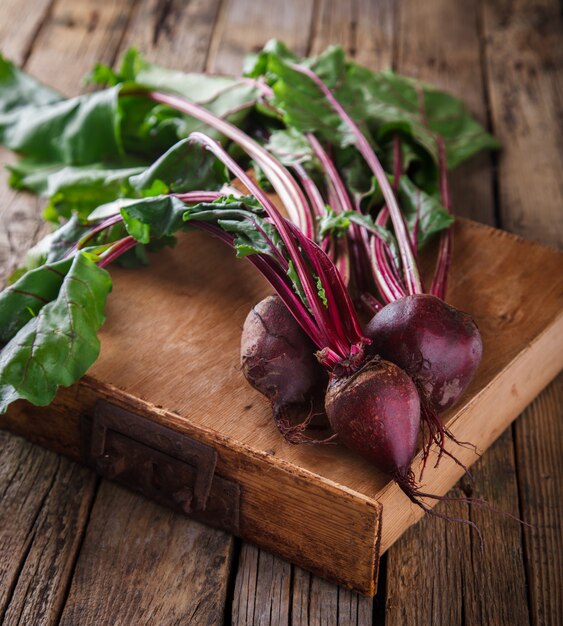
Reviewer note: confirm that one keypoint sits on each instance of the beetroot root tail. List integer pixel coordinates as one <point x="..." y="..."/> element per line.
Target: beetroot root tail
<point x="434" y="433"/>
<point x="409" y="487"/>
<point x="295" y="433"/>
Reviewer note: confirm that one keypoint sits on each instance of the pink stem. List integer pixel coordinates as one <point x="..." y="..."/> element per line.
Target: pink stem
<point x="120" y="247"/>
<point x="410" y="267"/>
<point x="440" y="282"/>
<point x="326" y="322"/>
<point x="371" y="303"/>
<point x="278" y="281"/>
<point x="340" y="201"/>
<point x="313" y="194"/>
<point x="285" y="185"/>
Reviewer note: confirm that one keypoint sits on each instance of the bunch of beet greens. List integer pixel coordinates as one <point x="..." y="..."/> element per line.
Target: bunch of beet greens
<point x="358" y="160"/>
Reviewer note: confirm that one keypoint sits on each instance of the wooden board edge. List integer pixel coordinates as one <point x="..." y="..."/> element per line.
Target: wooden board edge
<point x="505" y="234"/>
<point x="323" y="527"/>
<point x="547" y="352"/>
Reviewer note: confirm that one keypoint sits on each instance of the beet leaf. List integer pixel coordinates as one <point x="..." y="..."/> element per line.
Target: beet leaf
<point x="57" y="343"/>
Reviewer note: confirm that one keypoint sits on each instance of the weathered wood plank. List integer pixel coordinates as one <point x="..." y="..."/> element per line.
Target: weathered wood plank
<point x="443" y="565"/>
<point x="46" y="500"/>
<point x="317" y="602"/>
<point x="44" y="504"/>
<point x="20" y="23"/>
<point x="538" y="434"/>
<point x="262" y="593"/>
<point x="524" y="60"/>
<point x="245" y="26"/>
<point x="142" y="564"/>
<point x="446" y="52"/>
<point x="75" y="37"/>
<point x="428" y="551"/>
<point x="173" y="33"/>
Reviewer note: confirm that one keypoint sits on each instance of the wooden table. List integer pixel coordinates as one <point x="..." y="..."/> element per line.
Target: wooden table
<point x="77" y="550"/>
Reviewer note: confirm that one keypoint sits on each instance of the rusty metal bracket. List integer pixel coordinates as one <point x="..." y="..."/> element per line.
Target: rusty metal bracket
<point x="161" y="463"/>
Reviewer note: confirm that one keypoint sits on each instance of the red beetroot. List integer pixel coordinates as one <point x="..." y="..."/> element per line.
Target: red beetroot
<point x="436" y="344"/>
<point x="278" y="359"/>
<point x="376" y="412"/>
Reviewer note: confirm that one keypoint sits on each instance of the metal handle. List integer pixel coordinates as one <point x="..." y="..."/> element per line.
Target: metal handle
<point x="163" y="464"/>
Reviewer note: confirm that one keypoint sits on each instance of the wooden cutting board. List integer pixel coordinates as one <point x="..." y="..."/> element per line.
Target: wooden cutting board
<point x="168" y="380"/>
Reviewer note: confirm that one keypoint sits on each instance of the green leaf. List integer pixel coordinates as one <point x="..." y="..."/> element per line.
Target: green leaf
<point x="153" y="218"/>
<point x="332" y="223"/>
<point x="423" y="208"/>
<point x="219" y="93"/>
<point x="297" y="285"/>
<point x="148" y="128"/>
<point x="73" y="189"/>
<point x="243" y="218"/>
<point x="337" y="224"/>
<point x="32" y="291"/>
<point x="18" y="90"/>
<point x="382" y="103"/>
<point x="78" y="131"/>
<point x="321" y="291"/>
<point x="56" y="346"/>
<point x="391" y="102"/>
<point x="290" y="146"/>
<point x="184" y="167"/>
<point x="62" y="240"/>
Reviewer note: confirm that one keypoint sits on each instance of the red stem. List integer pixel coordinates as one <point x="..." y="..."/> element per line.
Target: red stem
<point x="410" y="267"/>
<point x="440" y="282"/>
<point x="277" y="279"/>
<point x="285" y="185"/>
<point x="328" y="323"/>
<point x="120" y="247"/>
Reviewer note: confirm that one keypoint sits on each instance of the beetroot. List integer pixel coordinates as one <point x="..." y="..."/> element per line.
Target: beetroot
<point x="373" y="406"/>
<point x="376" y="412"/>
<point x="436" y="344"/>
<point x="278" y="360"/>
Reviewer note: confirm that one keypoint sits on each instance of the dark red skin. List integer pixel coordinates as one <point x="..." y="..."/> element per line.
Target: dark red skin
<point x="277" y="357"/>
<point x="376" y="412"/>
<point x="436" y="344"/>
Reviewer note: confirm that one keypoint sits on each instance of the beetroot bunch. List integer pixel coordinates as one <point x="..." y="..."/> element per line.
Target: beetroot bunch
<point x="388" y="381"/>
<point x="348" y="238"/>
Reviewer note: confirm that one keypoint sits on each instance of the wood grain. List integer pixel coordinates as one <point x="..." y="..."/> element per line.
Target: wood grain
<point x="173" y="33"/>
<point x="317" y="602"/>
<point x="262" y="593"/>
<point x="509" y="321"/>
<point x="17" y="42"/>
<point x="46" y="500"/>
<point x="538" y="435"/>
<point x="142" y="564"/>
<point x="510" y="25"/>
<point x="44" y="506"/>
<point x="85" y="31"/>
<point x="244" y="26"/>
<point x="524" y="61"/>
<point x="447" y="52"/>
